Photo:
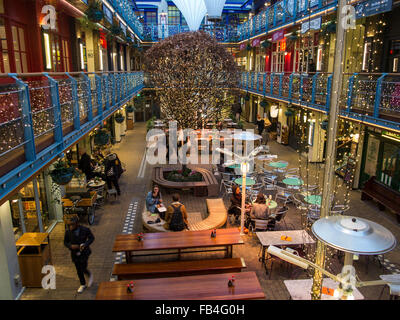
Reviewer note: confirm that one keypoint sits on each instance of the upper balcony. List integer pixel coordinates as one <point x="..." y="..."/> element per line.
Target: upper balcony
<point x="371" y="98"/>
<point x="43" y="114"/>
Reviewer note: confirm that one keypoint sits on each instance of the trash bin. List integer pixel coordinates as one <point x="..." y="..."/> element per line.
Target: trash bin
<point x="33" y="254"/>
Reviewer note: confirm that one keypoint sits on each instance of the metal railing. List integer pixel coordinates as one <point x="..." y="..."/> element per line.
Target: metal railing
<point x="42" y="114"/>
<point x="370" y="97"/>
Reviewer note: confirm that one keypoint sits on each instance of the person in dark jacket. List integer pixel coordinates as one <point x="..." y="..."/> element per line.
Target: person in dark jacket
<point x="260" y="124"/>
<point x="78" y="240"/>
<point x="311" y="66"/>
<point x="85" y="164"/>
<point x="113" y="171"/>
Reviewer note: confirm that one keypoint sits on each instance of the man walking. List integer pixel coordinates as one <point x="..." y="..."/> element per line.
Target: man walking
<point x="78" y="239"/>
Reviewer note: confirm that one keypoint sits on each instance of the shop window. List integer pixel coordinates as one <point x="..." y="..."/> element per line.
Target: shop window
<point x="305" y="50"/>
<point x="151" y="17"/>
<point x="389" y="168"/>
<point x="13" y="49"/>
<point x="56" y="52"/>
<point x="278" y="56"/>
<point x="174" y="15"/>
<point x="23" y="206"/>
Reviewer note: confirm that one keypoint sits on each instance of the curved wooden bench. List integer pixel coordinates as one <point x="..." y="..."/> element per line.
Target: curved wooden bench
<point x="210" y="182"/>
<point x="217" y="216"/>
<point x="133" y="271"/>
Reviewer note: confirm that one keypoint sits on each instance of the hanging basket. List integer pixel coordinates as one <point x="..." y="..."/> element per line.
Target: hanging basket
<point x="324" y="125"/>
<point x="293" y="37"/>
<point x="289" y="113"/>
<point x="62" y="174"/>
<point x="266" y="44"/>
<point x="247" y="97"/>
<point x="101" y="138"/>
<point x="119" y="118"/>
<point x="264" y="103"/>
<point x="130" y="109"/>
<point x="331" y="27"/>
<point x="248" y="47"/>
<point x="115" y="30"/>
<point x="94" y="12"/>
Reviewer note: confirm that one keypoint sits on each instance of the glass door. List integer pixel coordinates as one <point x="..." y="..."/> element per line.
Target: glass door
<point x="389" y="170"/>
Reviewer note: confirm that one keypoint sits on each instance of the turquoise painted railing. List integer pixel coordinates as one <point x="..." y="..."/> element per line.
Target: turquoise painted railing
<point x="367" y="97"/>
<point x="42" y="114"/>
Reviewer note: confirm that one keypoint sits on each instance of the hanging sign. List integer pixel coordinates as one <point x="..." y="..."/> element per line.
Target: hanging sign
<point x="372" y="7"/>
<point x="314" y="24"/>
<point x="107" y="14"/>
<point x="256" y="42"/>
<point x="242" y="46"/>
<point x="278" y="35"/>
<point x="313" y="3"/>
<point x="103" y="39"/>
<point x="302" y="5"/>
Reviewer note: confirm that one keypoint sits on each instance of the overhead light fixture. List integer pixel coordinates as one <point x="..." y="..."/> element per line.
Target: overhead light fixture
<point x="47" y="50"/>
<point x="214" y="9"/>
<point x="193" y="11"/>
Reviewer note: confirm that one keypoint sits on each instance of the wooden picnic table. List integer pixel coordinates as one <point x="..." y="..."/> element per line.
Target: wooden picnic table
<point x="203" y="287"/>
<point x="182" y="240"/>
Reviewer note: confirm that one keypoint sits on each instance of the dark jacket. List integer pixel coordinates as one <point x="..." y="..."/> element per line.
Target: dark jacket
<point x="113" y="162"/>
<point x="84" y="236"/>
<point x="85" y="164"/>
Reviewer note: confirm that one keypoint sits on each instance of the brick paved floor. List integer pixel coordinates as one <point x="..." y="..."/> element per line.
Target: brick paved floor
<point x="110" y="221"/>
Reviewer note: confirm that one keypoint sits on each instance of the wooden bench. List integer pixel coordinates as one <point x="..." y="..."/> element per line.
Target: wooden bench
<point x="133" y="271"/>
<point x="207" y="187"/>
<point x="217" y="216"/>
<point x="385" y="196"/>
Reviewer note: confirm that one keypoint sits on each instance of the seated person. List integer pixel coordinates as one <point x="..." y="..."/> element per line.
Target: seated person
<point x="153" y="200"/>
<point x="260" y="208"/>
<point x="176" y="216"/>
<point x="236" y="202"/>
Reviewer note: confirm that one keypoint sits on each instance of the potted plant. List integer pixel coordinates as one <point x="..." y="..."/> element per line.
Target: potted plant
<point x="94" y="12"/>
<point x="119" y="118"/>
<point x="247" y="97"/>
<point x="62" y="173"/>
<point x="293" y="36"/>
<point x="101" y="137"/>
<point x="330" y="27"/>
<point x="248" y="47"/>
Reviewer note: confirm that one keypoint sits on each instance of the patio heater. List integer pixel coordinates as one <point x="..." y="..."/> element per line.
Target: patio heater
<point x="244" y="165"/>
<point x="353" y="235"/>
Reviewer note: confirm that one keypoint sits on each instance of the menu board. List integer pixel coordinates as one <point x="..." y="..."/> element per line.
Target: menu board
<point x="371" y="159"/>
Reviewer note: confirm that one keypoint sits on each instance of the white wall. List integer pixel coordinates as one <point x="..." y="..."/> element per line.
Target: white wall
<point x="9" y="267"/>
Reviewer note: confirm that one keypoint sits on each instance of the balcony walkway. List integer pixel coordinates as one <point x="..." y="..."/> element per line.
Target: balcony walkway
<point x="110" y="222"/>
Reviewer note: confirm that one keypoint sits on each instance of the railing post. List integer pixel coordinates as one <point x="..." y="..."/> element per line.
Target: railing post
<point x="106" y="91"/>
<point x="350" y="92"/>
<point x="271" y="87"/>
<point x="280" y="84"/>
<point x="301" y="88"/>
<point x="89" y="97"/>
<point x="26" y="117"/>
<point x="284" y="10"/>
<point x="251" y="80"/>
<point x="378" y="94"/>
<point x="314" y="86"/>
<point x="274" y="20"/>
<point x="55" y="100"/>
<point x="266" y="19"/>
<point x="258" y="82"/>
<point x="74" y="89"/>
<point x="290" y="87"/>
<point x="264" y="84"/>
<point x="112" y="75"/>
<point x="247" y="82"/>
<point x="99" y="96"/>
<point x="328" y="92"/>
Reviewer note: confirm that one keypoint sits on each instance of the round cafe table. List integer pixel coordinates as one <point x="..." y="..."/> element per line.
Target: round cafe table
<point x="234" y="166"/>
<point x="278" y="165"/>
<point x="293" y="181"/>
<point x="93" y="184"/>
<point x="313" y="199"/>
<point x="249" y="181"/>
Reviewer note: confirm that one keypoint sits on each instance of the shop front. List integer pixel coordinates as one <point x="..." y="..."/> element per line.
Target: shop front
<point x="381" y="158"/>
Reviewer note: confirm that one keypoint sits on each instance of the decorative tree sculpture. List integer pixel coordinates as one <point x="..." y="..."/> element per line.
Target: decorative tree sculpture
<point x="194" y="76"/>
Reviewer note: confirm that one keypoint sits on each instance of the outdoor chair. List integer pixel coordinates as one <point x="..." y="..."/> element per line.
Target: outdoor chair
<point x="281" y="214"/>
<point x="269" y="184"/>
<point x="283" y="195"/>
<point x="339" y="209"/>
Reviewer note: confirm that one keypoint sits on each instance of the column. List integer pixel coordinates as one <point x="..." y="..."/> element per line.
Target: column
<point x="9" y="268"/>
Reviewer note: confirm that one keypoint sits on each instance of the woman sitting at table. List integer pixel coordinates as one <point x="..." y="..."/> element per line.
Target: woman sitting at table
<point x="236" y="202"/>
<point x="260" y="208"/>
<point x="153" y="200"/>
